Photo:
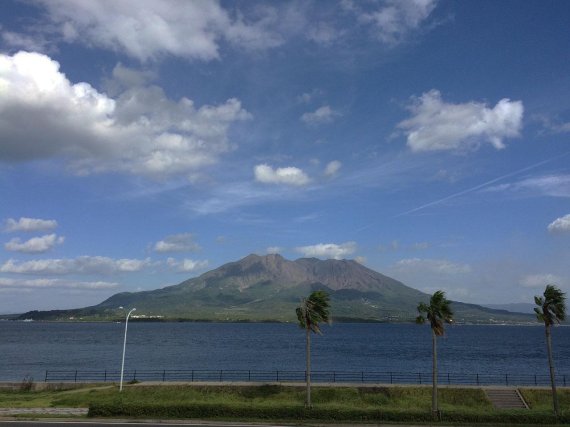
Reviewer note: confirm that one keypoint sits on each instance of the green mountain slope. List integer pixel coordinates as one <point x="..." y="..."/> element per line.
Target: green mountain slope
<point x="268" y="288"/>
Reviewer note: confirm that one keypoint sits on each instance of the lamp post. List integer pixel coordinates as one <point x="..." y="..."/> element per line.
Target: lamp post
<point x="124" y="348"/>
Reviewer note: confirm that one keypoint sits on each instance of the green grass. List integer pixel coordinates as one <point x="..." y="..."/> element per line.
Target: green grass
<point x="46" y="398"/>
<point x="397" y="398"/>
<point x="541" y="399"/>
<point x="286" y="403"/>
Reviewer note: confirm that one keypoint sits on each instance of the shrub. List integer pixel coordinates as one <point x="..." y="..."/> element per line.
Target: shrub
<point x="282" y="412"/>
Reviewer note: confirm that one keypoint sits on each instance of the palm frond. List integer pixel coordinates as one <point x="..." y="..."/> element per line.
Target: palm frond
<point x="423" y="307"/>
<point x="314" y="310"/>
<point x="437" y="312"/>
<point x="552" y="306"/>
<point x="539" y="314"/>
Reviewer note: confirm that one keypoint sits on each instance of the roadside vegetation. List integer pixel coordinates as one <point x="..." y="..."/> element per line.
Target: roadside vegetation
<point x="283" y="403"/>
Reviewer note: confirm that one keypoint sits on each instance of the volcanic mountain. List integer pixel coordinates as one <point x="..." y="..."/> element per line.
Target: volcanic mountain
<point x="268" y="288"/>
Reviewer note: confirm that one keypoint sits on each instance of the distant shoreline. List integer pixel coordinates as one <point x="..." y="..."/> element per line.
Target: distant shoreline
<point x="342" y="320"/>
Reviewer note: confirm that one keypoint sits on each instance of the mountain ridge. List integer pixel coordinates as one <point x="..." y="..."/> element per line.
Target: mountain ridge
<point x="268" y="288"/>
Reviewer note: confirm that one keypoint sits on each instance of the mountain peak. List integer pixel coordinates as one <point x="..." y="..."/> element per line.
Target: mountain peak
<point x="269" y="287"/>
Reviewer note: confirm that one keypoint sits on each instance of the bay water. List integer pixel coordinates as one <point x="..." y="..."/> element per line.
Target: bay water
<point x="31" y="348"/>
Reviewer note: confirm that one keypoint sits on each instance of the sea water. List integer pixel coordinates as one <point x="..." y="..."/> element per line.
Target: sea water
<point x="31" y="348"/>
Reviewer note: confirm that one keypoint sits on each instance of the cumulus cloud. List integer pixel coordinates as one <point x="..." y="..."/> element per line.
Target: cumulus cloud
<point x="289" y="175"/>
<point x="150" y="29"/>
<point x="324" y="114"/>
<point x="437" y="266"/>
<point x="29" y="225"/>
<point x="332" y="168"/>
<point x="328" y="250"/>
<point x="539" y="280"/>
<point x="183" y="242"/>
<point x="393" y="20"/>
<point x="436" y="125"/>
<point x="54" y="283"/>
<point x="43" y="115"/>
<point x="34" y="245"/>
<point x="560" y="225"/>
<point x="186" y="265"/>
<point x="79" y="265"/>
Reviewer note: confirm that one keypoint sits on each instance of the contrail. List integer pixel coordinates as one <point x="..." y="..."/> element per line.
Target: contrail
<point x="485" y="184"/>
<point x="469" y="190"/>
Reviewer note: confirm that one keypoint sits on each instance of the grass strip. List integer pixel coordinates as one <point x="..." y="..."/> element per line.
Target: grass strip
<point x="282" y="402"/>
<point x="300" y="413"/>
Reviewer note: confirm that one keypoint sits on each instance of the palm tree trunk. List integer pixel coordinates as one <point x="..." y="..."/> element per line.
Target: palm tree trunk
<point x="551" y="366"/>
<point x="434" y="409"/>
<point x="308" y="343"/>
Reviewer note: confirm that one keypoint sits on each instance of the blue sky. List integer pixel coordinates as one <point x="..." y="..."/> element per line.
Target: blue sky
<point x="146" y="142"/>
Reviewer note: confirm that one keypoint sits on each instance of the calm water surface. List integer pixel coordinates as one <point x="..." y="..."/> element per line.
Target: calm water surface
<point x="29" y="348"/>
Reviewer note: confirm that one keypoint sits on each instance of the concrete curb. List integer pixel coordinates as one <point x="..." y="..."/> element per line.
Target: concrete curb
<point x="43" y="411"/>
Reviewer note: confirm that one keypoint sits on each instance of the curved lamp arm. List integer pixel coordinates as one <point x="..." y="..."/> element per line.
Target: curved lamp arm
<point x="124" y="349"/>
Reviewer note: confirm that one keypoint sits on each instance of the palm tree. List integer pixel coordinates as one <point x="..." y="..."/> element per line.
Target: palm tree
<point x="551" y="309"/>
<point x="312" y="311"/>
<point x="437" y="312"/>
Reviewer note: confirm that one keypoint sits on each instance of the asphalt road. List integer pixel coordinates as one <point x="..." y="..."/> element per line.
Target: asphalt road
<point x="91" y="423"/>
<point x="126" y="423"/>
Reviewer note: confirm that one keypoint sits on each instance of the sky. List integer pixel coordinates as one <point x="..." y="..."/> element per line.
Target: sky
<point x="145" y="142"/>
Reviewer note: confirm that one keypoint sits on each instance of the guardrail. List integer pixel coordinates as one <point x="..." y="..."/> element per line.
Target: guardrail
<point x="223" y="375"/>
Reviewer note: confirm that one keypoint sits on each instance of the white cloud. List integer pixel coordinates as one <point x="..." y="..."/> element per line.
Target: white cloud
<point x="183" y="242"/>
<point x="553" y="126"/>
<point x="150" y="29"/>
<point x="395" y="19"/>
<point x="540" y="280"/>
<point x="35" y="244"/>
<point x="560" y="225"/>
<point x="436" y="125"/>
<point x="186" y="265"/>
<point x="307" y="97"/>
<point x="123" y="78"/>
<point x="361" y="260"/>
<point x="324" y="33"/>
<point x="79" y="265"/>
<point x="332" y="168"/>
<point x="29" y="224"/>
<point x="328" y="250"/>
<point x="289" y="175"/>
<point x="35" y="43"/>
<point x="274" y="250"/>
<point x="142" y="132"/>
<point x="437" y="266"/>
<point x="546" y="185"/>
<point x="324" y="114"/>
<point x="54" y="283"/>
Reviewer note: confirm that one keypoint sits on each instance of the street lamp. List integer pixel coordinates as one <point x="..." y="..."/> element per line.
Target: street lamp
<point x="124" y="348"/>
